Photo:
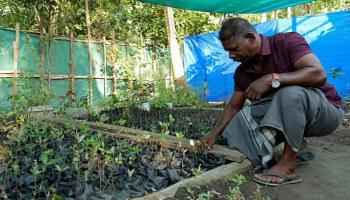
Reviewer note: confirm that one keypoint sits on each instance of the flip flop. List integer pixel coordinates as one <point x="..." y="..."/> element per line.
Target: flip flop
<point x="304" y="158"/>
<point x="286" y="179"/>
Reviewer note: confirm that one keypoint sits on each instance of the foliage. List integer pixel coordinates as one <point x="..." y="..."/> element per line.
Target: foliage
<point x="235" y="192"/>
<point x="55" y="162"/>
<point x="257" y="195"/>
<point x="131" y="20"/>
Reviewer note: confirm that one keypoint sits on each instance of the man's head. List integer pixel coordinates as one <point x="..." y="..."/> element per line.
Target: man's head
<point x="240" y="39"/>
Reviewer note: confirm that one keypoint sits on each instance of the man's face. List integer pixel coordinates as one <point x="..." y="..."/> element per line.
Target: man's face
<point x="240" y="49"/>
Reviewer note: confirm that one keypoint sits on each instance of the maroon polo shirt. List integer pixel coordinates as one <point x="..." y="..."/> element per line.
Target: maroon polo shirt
<point x="279" y="53"/>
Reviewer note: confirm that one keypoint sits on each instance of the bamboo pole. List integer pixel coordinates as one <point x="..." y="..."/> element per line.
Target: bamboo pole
<point x="176" y="60"/>
<point x="104" y="67"/>
<point x="289" y="12"/>
<point x="15" y="60"/>
<point x="263" y="17"/>
<point x="42" y="49"/>
<point x="114" y="69"/>
<point x="90" y="81"/>
<point x="171" y="142"/>
<point x="72" y="69"/>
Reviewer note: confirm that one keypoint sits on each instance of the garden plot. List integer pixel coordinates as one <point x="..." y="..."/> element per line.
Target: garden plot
<point x="77" y="160"/>
<point x="191" y="123"/>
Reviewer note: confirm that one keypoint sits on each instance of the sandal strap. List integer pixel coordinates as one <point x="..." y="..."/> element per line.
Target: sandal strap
<point x="275" y="174"/>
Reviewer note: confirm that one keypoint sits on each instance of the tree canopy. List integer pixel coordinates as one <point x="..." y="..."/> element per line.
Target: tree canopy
<point x="132" y="21"/>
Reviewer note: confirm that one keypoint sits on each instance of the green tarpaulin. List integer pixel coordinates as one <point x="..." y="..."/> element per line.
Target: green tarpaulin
<point x="229" y="6"/>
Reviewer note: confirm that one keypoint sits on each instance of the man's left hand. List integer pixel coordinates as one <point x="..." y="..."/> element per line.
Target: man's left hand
<point x="259" y="87"/>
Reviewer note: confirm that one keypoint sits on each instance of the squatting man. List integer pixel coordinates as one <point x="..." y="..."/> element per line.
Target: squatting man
<point x="290" y="96"/>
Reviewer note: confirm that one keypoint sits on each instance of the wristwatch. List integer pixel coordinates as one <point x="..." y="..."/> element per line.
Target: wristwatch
<point x="275" y="81"/>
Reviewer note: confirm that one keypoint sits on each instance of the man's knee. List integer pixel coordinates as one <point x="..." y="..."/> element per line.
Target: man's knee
<point x="291" y="94"/>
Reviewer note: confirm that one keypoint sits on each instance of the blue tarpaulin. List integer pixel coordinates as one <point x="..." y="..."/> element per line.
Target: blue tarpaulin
<point x="210" y="71"/>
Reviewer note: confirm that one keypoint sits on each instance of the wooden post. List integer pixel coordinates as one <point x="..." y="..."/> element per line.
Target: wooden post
<point x="176" y="60"/>
<point x="289" y="12"/>
<point x="15" y="60"/>
<point x="104" y="67"/>
<point x="72" y="70"/>
<point x="263" y="17"/>
<point x="309" y="8"/>
<point x="273" y="14"/>
<point x="114" y="63"/>
<point x="90" y="80"/>
<point x="42" y="49"/>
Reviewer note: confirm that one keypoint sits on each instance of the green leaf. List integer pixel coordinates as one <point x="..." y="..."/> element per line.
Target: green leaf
<point x="15" y="168"/>
<point x="57" y="197"/>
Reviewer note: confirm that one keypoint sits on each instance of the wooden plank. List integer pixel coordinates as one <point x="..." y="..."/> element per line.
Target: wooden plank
<point x="171" y="142"/>
<point x="15" y="60"/>
<point x="215" y="175"/>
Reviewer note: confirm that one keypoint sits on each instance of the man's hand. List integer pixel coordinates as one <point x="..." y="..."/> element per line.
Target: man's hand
<point x="207" y="142"/>
<point x="259" y="87"/>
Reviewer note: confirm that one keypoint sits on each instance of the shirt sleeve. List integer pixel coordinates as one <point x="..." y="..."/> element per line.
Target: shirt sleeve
<point x="297" y="47"/>
<point x="237" y="78"/>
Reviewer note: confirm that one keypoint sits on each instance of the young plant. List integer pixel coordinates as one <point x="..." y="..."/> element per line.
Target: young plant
<point x="165" y="125"/>
<point x="257" y="195"/>
<point x="206" y="196"/>
<point x="122" y="122"/>
<point x="197" y="171"/>
<point x="235" y="192"/>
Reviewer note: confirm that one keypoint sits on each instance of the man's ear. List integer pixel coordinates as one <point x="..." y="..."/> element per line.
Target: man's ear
<point x="250" y="36"/>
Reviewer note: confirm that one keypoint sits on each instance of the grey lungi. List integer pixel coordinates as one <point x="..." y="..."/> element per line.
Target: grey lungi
<point x="293" y="111"/>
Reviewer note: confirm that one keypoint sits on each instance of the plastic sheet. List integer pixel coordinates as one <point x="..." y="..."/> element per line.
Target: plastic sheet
<point x="210" y="71"/>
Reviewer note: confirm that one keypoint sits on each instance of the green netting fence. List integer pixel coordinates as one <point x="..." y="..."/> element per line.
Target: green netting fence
<point x="63" y="66"/>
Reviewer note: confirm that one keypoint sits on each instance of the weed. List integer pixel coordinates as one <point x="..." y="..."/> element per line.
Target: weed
<point x="197" y="171"/>
<point x="257" y="195"/>
<point x="235" y="192"/>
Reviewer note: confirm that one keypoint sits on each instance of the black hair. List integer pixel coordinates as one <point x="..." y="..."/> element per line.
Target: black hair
<point x="235" y="27"/>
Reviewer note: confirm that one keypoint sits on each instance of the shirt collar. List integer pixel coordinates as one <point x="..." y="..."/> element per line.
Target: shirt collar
<point x="265" y="46"/>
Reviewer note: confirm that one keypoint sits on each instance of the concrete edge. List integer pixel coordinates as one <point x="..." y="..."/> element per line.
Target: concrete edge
<point x="217" y="174"/>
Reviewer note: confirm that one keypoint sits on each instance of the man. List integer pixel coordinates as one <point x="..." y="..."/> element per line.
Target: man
<point x="290" y="98"/>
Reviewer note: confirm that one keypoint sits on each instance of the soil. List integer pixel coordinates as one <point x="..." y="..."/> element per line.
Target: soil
<point x="326" y="177"/>
<point x="193" y="122"/>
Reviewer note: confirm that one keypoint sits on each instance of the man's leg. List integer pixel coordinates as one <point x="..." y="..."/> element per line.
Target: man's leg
<point x="293" y="111"/>
<point x="285" y="166"/>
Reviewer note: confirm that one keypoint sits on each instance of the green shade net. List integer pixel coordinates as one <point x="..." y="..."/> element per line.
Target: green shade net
<point x="229" y="6"/>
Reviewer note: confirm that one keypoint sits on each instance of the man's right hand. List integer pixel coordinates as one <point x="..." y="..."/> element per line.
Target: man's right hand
<point x="207" y="142"/>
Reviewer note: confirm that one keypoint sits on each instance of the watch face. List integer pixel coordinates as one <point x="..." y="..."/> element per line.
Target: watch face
<point x="275" y="83"/>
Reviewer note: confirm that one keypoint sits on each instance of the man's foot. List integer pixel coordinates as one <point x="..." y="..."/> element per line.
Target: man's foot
<point x="285" y="172"/>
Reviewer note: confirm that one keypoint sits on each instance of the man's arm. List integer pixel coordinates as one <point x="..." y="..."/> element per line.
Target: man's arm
<point x="308" y="72"/>
<point x="234" y="105"/>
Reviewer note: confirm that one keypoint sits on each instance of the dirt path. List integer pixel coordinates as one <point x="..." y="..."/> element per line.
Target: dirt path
<point x="325" y="178"/>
